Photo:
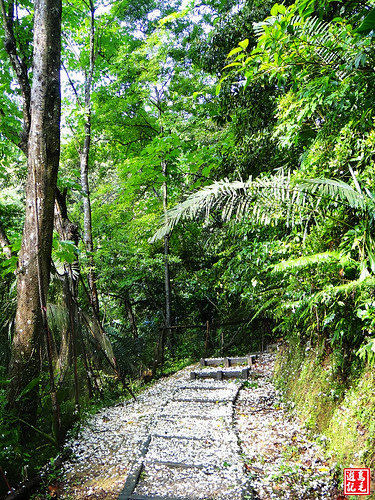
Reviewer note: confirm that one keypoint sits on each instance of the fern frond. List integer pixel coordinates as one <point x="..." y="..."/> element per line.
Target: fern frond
<point x="306" y="261"/>
<point x="335" y="190"/>
<point x="256" y="198"/>
<point x="344" y="289"/>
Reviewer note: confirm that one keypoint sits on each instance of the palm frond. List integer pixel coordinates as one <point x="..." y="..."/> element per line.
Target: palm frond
<point x="275" y="300"/>
<point x="262" y="200"/>
<point x="58" y="318"/>
<point x="266" y="200"/>
<point x="335" y="190"/>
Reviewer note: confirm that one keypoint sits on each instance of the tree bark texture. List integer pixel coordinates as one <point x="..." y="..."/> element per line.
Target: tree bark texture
<point x="84" y="167"/>
<point x="43" y="162"/>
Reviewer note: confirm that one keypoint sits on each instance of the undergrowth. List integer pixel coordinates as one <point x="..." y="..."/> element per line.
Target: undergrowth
<point x="21" y="461"/>
<point x="338" y="407"/>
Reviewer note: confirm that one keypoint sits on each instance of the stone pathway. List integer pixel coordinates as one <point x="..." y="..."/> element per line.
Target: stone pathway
<point x="177" y="441"/>
<point x="193" y="452"/>
<point x="202" y="439"/>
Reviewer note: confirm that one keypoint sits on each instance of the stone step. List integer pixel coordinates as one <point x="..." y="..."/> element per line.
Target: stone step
<point x="206" y="410"/>
<point x="205" y="396"/>
<point x="153" y="497"/>
<point x="226" y="392"/>
<point x="207" y="483"/>
<point x="227" y="362"/>
<point x="176" y="465"/>
<point x="175" y="436"/>
<point x="195" y="428"/>
<point x="271" y="347"/>
<point x="206" y="385"/>
<point x="221" y="374"/>
<point x="191" y="453"/>
<point x="201" y="400"/>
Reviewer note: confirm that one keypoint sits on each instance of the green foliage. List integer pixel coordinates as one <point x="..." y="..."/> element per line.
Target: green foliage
<point x="309" y="260"/>
<point x="64" y="251"/>
<point x="367" y="351"/>
<point x="10" y="451"/>
<point x="368" y="24"/>
<point x="289" y="251"/>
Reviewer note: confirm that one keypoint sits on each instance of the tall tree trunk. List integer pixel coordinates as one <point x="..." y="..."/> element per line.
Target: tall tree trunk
<point x="84" y="167"/>
<point x="167" y="279"/>
<point x="130" y="312"/>
<point x="35" y="253"/>
<point x="166" y="332"/>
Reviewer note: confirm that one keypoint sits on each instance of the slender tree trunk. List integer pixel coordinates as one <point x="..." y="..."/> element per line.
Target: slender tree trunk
<point x="166" y="331"/>
<point x="84" y="167"/>
<point x="18" y="62"/>
<point x="35" y="253"/>
<point x="131" y="317"/>
<point x="68" y="351"/>
<point x="167" y="279"/>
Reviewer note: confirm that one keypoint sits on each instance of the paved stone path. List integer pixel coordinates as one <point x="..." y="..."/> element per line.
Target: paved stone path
<point x="192" y="451"/>
<point x="177" y="441"/>
<point x="180" y="441"/>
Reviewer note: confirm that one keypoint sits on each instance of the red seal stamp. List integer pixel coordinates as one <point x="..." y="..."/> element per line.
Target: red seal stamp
<point x="357" y="481"/>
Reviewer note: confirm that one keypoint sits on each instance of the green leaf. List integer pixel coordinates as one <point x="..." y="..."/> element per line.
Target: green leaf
<point x="360" y="60"/>
<point x="306" y="7"/>
<point x="8" y="266"/>
<point x="232" y="64"/>
<point x="368" y="24"/>
<point x="290" y="29"/>
<point x="28" y="388"/>
<point x="234" y="51"/>
<point x="244" y="43"/>
<point x="274" y="10"/>
<point x="368" y="351"/>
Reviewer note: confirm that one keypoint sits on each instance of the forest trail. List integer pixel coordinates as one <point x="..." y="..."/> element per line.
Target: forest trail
<point x="198" y="439"/>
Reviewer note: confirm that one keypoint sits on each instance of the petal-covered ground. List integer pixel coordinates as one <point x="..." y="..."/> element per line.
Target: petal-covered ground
<point x="199" y="439"/>
<point x="280" y="459"/>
